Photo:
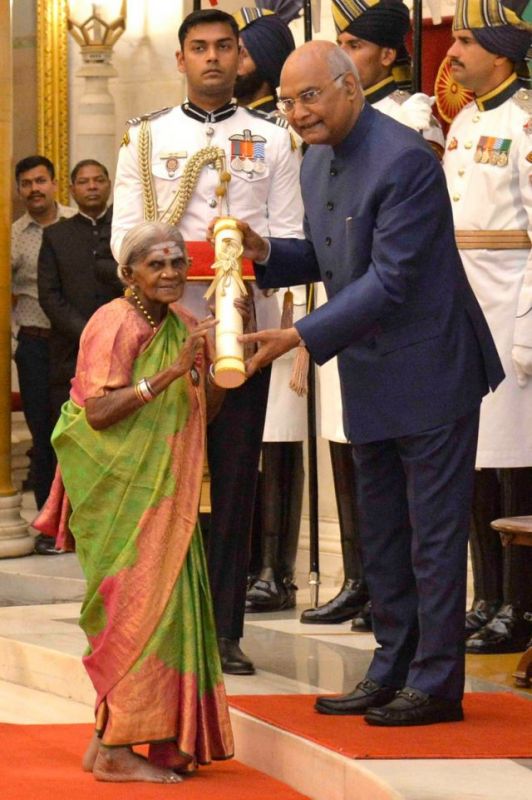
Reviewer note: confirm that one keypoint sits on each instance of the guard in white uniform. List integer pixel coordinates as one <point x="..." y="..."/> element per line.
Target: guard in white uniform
<point x="155" y="180"/>
<point x="372" y="34"/>
<point x="488" y="168"/>
<point x="266" y="42"/>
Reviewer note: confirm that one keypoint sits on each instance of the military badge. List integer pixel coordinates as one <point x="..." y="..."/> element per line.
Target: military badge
<point x="125" y="139"/>
<point x="172" y="161"/>
<point x="529" y="157"/>
<point x="492" y="150"/>
<point x="248" y="152"/>
<point x="453" y="144"/>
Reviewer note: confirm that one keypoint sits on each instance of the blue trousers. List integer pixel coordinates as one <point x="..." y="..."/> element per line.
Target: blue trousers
<point x="415" y="497"/>
<point x="32" y="358"/>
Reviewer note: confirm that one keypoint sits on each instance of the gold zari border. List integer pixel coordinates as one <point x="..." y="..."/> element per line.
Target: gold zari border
<point x="52" y="88"/>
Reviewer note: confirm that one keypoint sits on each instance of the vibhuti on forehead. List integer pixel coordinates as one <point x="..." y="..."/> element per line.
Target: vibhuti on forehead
<point x="169" y="248"/>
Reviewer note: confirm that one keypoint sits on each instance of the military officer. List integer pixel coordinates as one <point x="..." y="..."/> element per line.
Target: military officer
<point x="372" y="33"/>
<point x="165" y="172"/>
<point x="266" y="41"/>
<point x="487" y="165"/>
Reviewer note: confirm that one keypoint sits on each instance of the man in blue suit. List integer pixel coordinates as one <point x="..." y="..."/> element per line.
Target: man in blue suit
<point x="415" y="358"/>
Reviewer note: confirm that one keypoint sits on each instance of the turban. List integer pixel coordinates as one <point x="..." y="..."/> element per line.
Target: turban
<point x="383" y="22"/>
<point x="268" y="40"/>
<point x="496" y="28"/>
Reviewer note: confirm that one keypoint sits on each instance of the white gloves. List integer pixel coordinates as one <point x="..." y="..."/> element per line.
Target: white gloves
<point x="416" y="112"/>
<point x="522" y="361"/>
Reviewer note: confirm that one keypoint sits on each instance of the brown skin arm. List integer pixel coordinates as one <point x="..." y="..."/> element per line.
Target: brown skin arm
<point x="102" y="412"/>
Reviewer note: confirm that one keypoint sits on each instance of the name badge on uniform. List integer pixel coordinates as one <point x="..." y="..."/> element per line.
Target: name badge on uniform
<point x="492" y="150"/>
<point x="248" y="152"/>
<point x="171" y="161"/>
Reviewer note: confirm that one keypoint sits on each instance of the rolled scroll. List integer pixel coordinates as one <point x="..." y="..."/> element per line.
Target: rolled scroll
<point x="229" y="369"/>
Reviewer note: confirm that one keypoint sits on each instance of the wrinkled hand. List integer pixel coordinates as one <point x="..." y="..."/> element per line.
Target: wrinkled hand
<point x="194" y="343"/>
<point x="273" y="343"/>
<point x="522" y="362"/>
<point x="255" y="247"/>
<point x="416" y="112"/>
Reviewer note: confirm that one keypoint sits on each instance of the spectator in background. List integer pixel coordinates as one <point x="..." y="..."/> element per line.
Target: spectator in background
<point x="77" y="272"/>
<point x="37" y="188"/>
<point x="77" y="275"/>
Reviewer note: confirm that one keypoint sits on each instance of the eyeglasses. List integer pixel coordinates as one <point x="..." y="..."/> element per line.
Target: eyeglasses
<point x="287" y="104"/>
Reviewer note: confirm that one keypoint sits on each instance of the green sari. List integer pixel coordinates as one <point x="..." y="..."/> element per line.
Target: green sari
<point x="134" y="491"/>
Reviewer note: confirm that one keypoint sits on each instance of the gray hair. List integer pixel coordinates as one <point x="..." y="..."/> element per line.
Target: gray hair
<point x="339" y="62"/>
<point x="139" y="240"/>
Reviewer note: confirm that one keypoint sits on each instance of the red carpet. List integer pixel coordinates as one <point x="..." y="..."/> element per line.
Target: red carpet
<point x="495" y="726"/>
<point x="42" y="762"/>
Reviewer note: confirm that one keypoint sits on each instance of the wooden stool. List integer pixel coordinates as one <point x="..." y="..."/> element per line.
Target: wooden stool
<point x="518" y="530"/>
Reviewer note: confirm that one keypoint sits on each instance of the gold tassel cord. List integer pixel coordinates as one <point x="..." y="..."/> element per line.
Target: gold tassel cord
<point x="227" y="269"/>
<point x="189" y="179"/>
<point x="187" y="184"/>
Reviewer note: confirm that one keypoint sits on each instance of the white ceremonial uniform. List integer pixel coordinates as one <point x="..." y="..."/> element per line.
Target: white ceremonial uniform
<point x="487" y="164"/>
<point x="329" y="412"/>
<point x="266" y="195"/>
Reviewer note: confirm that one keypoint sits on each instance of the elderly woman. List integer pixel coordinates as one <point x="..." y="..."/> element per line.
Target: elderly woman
<point x="130" y="445"/>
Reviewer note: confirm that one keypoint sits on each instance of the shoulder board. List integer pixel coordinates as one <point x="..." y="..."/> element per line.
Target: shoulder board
<point x="399" y="96"/>
<point x="147" y="117"/>
<point x="523" y="98"/>
<point x="273" y="117"/>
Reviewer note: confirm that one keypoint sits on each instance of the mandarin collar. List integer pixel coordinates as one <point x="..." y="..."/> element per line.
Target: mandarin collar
<point x="499" y="95"/>
<point x="357" y="134"/>
<point x="92" y="220"/>
<point x="197" y="113"/>
<point x="380" y="90"/>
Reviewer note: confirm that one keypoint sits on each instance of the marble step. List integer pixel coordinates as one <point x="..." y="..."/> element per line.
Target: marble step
<point x="38" y="579"/>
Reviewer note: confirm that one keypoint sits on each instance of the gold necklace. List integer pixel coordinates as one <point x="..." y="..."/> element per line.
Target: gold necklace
<point x="148" y="316"/>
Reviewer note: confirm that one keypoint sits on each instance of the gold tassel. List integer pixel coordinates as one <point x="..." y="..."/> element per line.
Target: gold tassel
<point x="287" y="315"/>
<point x="299" y="377"/>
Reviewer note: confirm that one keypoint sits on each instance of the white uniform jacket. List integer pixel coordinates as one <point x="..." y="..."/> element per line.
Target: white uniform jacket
<point x="487" y="163"/>
<point x="264" y="192"/>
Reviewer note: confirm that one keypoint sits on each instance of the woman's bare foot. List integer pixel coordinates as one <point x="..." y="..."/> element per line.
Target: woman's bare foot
<point x="87" y="762"/>
<point x="119" y="765"/>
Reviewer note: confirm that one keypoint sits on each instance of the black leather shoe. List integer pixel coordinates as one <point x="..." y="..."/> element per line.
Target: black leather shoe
<point x="45" y="546"/>
<point x="234" y="661"/>
<point x="344" y="606"/>
<point x="366" y="694"/>
<point x="412" y="707"/>
<point x="271" y="595"/>
<point x="480" y="613"/>
<point x="362" y="622"/>
<point x="508" y="632"/>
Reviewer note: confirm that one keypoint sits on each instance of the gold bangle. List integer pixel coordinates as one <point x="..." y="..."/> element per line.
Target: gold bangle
<point x="210" y="375"/>
<point x="143" y="393"/>
<point x="139" y="396"/>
